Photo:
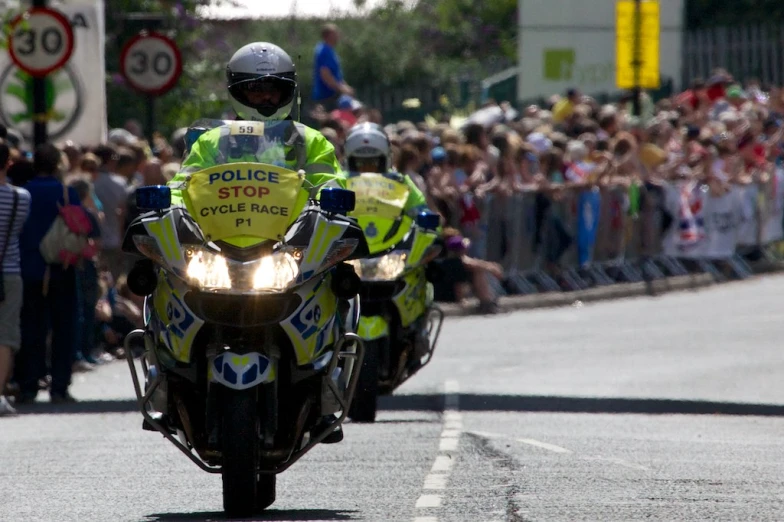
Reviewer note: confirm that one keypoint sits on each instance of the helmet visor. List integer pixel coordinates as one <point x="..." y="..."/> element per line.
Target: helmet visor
<point x="266" y="94"/>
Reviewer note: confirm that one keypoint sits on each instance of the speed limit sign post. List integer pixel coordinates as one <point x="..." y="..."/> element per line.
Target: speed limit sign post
<point x="40" y="42"/>
<point x="151" y="64"/>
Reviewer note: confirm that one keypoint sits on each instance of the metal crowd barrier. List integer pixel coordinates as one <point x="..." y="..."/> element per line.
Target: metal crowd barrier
<point x="572" y="239"/>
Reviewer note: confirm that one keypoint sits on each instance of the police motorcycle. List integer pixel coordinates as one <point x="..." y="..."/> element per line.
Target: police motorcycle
<point x="399" y="322"/>
<point x="250" y="313"/>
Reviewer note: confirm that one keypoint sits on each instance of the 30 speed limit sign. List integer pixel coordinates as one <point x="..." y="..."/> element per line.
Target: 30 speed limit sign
<point x="40" y="41"/>
<point x="151" y="63"/>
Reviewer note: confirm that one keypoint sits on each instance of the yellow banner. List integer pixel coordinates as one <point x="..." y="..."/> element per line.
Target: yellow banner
<point x="625" y="59"/>
<point x="243" y="199"/>
<point x="377" y="195"/>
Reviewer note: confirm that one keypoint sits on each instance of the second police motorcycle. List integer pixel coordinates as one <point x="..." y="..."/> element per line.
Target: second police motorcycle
<point x="399" y="322"/>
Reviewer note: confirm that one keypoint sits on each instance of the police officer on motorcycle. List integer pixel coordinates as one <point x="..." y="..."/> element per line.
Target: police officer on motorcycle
<point x="368" y="150"/>
<point x="262" y="83"/>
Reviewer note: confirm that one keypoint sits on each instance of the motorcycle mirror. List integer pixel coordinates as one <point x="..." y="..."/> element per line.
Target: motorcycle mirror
<point x="156" y="197"/>
<point x="142" y="279"/>
<point x="337" y="200"/>
<point x="428" y="220"/>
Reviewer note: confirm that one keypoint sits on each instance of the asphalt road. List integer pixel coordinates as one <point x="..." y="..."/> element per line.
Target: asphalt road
<point x="668" y="408"/>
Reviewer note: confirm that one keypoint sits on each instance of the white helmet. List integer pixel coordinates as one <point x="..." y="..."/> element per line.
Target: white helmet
<point x="366" y="141"/>
<point x="266" y="67"/>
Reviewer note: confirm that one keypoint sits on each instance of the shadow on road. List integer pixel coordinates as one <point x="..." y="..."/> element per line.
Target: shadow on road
<point x="474" y="402"/>
<point x="269" y="515"/>
<point x="79" y="408"/>
<point x="532" y="403"/>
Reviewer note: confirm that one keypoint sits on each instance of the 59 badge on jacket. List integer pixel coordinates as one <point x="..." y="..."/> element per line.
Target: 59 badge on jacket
<point x="251" y="199"/>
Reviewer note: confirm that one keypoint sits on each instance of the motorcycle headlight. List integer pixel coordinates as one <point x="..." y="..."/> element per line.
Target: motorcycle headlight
<point x="385" y="268"/>
<point x="208" y="270"/>
<point x="275" y="272"/>
<point x="213" y="272"/>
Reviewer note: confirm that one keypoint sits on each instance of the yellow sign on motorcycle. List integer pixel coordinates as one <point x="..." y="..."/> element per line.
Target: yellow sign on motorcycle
<point x="243" y="199"/>
<point x="378" y="195"/>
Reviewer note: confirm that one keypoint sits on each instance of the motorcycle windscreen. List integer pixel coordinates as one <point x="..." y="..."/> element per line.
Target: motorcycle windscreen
<point x="380" y="202"/>
<point x="249" y="195"/>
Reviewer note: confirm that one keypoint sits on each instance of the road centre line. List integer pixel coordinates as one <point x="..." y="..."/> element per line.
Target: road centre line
<point x="428" y="501"/>
<point x="448" y="444"/>
<point x="436" y="481"/>
<point x="443" y="463"/>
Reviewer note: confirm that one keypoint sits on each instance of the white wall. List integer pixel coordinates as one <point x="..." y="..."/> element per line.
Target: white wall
<point x="578" y="39"/>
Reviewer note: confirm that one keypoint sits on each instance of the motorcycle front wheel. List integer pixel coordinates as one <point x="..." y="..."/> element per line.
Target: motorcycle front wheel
<point x="365" y="404"/>
<point x="244" y="491"/>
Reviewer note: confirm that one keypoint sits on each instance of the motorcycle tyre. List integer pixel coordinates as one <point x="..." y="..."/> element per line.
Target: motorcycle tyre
<point x="265" y="492"/>
<point x="365" y="404"/>
<point x="240" y="453"/>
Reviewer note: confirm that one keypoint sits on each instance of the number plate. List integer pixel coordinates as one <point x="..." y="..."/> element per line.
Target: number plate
<point x="244" y="128"/>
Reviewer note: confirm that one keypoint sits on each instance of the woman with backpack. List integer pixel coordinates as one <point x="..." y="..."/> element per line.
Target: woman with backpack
<point x="50" y="294"/>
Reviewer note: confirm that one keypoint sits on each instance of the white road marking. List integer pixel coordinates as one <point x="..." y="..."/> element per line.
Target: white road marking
<point x="448" y="444"/>
<point x="443" y="463"/>
<point x="544" y="445"/>
<point x="436" y="481"/>
<point x="438" y="478"/>
<point x="454" y="425"/>
<point x="428" y="501"/>
<point x="559" y="449"/>
<point x="530" y="442"/>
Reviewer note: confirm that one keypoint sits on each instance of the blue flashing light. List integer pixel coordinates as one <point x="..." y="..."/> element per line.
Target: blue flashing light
<point x="337" y="200"/>
<point x="428" y="220"/>
<point x="156" y="197"/>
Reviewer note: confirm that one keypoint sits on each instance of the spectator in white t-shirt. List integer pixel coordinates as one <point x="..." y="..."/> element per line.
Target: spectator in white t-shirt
<point x="579" y="168"/>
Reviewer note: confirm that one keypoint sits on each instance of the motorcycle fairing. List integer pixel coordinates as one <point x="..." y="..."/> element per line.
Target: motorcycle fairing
<point x="311" y="328"/>
<point x="325" y="235"/>
<point x="178" y="325"/>
<point x="384" y="233"/>
<point x="423" y="240"/>
<point x="411" y="301"/>
<point x="373" y="327"/>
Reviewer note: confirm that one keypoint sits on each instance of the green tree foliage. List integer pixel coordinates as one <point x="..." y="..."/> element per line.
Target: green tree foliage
<point x="393" y="46"/>
<point x="475" y="29"/>
<point x="711" y="13"/>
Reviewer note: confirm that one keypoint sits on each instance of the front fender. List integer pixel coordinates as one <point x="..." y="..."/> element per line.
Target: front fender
<point x="241" y="372"/>
<point x="373" y="327"/>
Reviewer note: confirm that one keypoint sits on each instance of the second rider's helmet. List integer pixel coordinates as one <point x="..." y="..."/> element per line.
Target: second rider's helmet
<point x="368" y="149"/>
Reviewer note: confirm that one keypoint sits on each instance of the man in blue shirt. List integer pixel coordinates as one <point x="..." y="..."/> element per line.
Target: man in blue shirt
<point x="328" y="82"/>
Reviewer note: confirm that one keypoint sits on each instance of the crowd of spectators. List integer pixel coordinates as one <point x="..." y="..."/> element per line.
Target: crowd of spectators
<point x="60" y="318"/>
<point x="719" y="131"/>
